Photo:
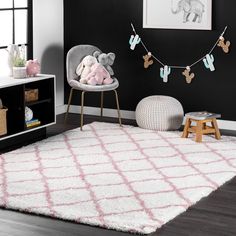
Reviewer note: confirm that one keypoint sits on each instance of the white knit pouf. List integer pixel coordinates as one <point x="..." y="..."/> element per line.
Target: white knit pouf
<point x="160" y="113"/>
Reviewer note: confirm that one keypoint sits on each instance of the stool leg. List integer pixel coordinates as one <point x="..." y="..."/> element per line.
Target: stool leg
<point x="68" y="106"/>
<point x="215" y="126"/>
<point x="102" y="95"/>
<point x="82" y="111"/>
<point x="199" y="132"/>
<point x="118" y="107"/>
<point x="204" y="125"/>
<point x="186" y="127"/>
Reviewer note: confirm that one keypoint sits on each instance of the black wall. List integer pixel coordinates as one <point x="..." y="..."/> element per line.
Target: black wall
<point x="106" y="24"/>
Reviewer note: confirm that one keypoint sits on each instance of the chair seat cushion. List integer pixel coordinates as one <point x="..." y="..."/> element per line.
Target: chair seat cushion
<point x="97" y="88"/>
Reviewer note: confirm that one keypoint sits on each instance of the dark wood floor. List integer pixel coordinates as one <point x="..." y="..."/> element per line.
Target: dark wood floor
<point x="213" y="216"/>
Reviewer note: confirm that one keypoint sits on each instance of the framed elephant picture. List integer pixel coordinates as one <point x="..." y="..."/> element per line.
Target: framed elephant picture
<point x="177" y="14"/>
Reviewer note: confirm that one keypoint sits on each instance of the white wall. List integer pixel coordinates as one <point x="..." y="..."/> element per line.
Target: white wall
<point x="48" y="40"/>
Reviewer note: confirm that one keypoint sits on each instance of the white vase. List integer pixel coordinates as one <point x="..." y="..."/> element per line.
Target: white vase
<point x="19" y="72"/>
<point x="13" y="50"/>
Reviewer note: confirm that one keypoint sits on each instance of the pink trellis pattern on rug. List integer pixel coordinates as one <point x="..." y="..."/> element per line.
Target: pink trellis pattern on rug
<point x="122" y="178"/>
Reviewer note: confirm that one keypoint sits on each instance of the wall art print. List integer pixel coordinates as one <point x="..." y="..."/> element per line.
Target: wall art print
<point x="177" y="14"/>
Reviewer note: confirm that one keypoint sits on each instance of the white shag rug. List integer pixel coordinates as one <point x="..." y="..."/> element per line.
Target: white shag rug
<point x="128" y="179"/>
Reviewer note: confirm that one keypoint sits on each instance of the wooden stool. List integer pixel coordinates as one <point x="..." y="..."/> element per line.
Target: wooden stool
<point x="201" y="128"/>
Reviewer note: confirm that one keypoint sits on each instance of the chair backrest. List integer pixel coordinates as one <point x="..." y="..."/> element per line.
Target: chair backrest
<point x="74" y="56"/>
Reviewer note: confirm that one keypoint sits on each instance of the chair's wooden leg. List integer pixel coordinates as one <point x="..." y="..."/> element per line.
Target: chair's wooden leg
<point x="102" y="96"/>
<point x="186" y="127"/>
<point x="118" y="107"/>
<point x="82" y="111"/>
<point x="199" y="132"/>
<point x="215" y="126"/>
<point x="68" y="106"/>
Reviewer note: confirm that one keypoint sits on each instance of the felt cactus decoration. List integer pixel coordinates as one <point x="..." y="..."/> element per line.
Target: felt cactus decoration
<point x="209" y="62"/>
<point x="164" y="73"/>
<point x="134" y="40"/>
<point x="147" y="61"/>
<point x="189" y="77"/>
<point x="224" y="45"/>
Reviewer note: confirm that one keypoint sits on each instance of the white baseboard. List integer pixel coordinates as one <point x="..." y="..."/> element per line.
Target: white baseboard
<point x="95" y="111"/>
<point x="223" y="124"/>
<point x="227" y="124"/>
<point x="60" y="109"/>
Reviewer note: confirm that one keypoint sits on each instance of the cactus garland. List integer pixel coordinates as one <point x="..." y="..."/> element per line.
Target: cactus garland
<point x="209" y="62"/>
<point x="134" y="40"/>
<point x="164" y="73"/>
<point x="208" y="59"/>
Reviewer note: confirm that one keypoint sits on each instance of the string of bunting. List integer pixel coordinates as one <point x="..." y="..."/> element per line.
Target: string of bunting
<point x="165" y="70"/>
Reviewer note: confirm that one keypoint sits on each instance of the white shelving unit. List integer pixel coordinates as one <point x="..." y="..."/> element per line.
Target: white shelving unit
<point x="12" y="93"/>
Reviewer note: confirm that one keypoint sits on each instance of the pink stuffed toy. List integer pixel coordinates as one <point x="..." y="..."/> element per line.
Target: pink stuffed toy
<point x="84" y="68"/>
<point x="32" y="67"/>
<point x="98" y="75"/>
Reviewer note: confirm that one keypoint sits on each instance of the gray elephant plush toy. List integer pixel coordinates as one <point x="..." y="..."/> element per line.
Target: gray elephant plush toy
<point x="106" y="59"/>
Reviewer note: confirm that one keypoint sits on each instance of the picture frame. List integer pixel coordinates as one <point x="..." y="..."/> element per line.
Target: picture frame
<point x="177" y="14"/>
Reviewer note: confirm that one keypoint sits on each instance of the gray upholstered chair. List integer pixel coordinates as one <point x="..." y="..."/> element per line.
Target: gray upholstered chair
<point x="74" y="57"/>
